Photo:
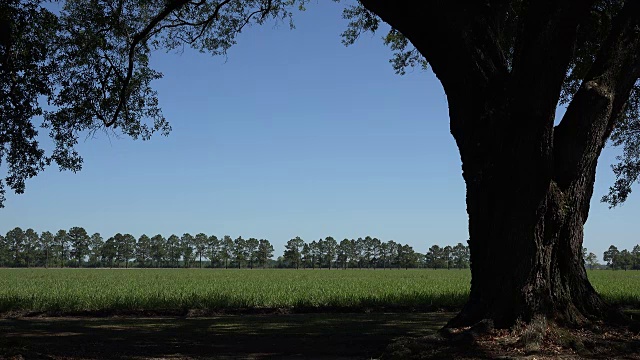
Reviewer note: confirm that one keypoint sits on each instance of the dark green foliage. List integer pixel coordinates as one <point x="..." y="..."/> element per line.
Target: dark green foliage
<point x="461" y="256"/>
<point x="251" y="251"/>
<point x="61" y="247"/>
<point x="625" y="260"/>
<point x="108" y="252"/>
<point x="213" y="249"/>
<point x="408" y="258"/>
<point x="27" y="36"/>
<point x="31" y="244"/>
<point x="119" y="250"/>
<point x="79" y="244"/>
<point x="226" y="250"/>
<point x="16" y="241"/>
<point x="158" y="250"/>
<point x="90" y="62"/>
<point x="591" y="260"/>
<point x="200" y="246"/>
<point x="45" y="247"/>
<point x="305" y="256"/>
<point x="26" y="248"/>
<point x="434" y="257"/>
<point x="610" y="256"/>
<point x="126" y="248"/>
<point x="143" y="251"/>
<point x="20" y="248"/>
<point x="293" y="252"/>
<point x="173" y="250"/>
<point x="95" y="244"/>
<point x="239" y="251"/>
<point x="265" y="252"/>
<point x="330" y="250"/>
<point x="5" y="254"/>
<point x="362" y="20"/>
<point x="622" y="260"/>
<point x="187" y="243"/>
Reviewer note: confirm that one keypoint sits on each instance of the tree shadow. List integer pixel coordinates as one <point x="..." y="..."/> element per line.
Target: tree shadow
<point x="304" y="336"/>
<point x="600" y="340"/>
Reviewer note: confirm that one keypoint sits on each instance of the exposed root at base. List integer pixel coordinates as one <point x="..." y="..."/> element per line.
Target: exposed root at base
<point x="539" y="339"/>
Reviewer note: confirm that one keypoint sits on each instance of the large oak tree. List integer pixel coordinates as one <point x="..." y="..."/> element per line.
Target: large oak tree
<point x="505" y="65"/>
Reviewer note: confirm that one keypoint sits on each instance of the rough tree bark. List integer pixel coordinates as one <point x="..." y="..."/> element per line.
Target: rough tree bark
<point x="529" y="183"/>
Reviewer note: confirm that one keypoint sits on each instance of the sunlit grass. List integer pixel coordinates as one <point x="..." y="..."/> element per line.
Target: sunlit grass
<point x="157" y="289"/>
<point x="71" y="290"/>
<point x="618" y="287"/>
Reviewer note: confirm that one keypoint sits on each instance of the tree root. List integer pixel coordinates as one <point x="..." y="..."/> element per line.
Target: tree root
<point x="539" y="338"/>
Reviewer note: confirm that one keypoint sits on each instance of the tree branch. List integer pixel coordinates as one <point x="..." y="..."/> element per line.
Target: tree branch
<point x="205" y="24"/>
<point x="444" y="33"/>
<point x="592" y="114"/>
<point x="461" y="41"/>
<point x="137" y="38"/>
<point x="153" y="29"/>
<point x="545" y="41"/>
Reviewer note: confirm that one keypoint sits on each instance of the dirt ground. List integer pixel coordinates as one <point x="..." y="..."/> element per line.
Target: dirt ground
<point x="303" y="336"/>
<point x="281" y="336"/>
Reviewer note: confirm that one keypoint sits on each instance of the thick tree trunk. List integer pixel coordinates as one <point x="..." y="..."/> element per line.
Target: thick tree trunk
<point x="529" y="183"/>
<point x="526" y="254"/>
<point x="526" y="213"/>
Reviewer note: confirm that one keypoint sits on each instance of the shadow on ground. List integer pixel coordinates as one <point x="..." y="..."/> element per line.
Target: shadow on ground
<point x="291" y="336"/>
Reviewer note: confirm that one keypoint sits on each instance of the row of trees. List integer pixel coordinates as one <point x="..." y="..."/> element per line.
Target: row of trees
<point x="370" y="252"/>
<point x="625" y="259"/>
<point x="76" y="248"/>
<point x="614" y="258"/>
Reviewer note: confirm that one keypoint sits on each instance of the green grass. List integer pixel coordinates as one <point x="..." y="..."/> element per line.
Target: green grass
<point x="151" y="289"/>
<point x="73" y="290"/>
<point x="618" y="287"/>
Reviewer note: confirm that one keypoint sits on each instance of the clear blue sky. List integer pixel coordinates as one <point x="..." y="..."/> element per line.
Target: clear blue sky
<point x="291" y="135"/>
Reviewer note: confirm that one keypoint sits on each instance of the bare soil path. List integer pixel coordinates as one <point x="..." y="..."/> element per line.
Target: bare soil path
<point x="288" y="336"/>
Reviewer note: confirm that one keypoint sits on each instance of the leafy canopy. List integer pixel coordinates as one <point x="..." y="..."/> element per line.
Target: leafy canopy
<point x="89" y="61"/>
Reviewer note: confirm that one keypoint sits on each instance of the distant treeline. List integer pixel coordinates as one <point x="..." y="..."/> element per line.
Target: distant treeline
<point x="76" y="248"/>
<point x="623" y="260"/>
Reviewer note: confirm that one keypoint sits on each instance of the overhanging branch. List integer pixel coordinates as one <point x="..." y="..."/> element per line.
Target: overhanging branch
<point x="591" y="115"/>
<point x="461" y="41"/>
<point x="154" y="28"/>
<point x="542" y="53"/>
<point x="444" y="33"/>
<point x="137" y="38"/>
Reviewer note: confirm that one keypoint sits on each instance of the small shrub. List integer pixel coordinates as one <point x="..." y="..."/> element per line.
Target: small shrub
<point x="532" y="334"/>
